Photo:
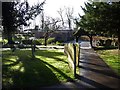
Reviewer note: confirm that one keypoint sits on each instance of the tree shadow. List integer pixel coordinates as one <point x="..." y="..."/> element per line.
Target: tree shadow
<point x="89" y="63"/>
<point x="96" y="64"/>
<point x="59" y="71"/>
<point x="105" y="48"/>
<point x="30" y="74"/>
<point x="97" y="85"/>
<point x="94" y="70"/>
<point x="51" y="54"/>
<point x="7" y="53"/>
<point x="108" y="73"/>
<point x="12" y="63"/>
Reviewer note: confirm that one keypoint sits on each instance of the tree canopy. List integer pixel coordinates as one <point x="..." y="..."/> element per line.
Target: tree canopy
<point x="101" y="18"/>
<point x="16" y="14"/>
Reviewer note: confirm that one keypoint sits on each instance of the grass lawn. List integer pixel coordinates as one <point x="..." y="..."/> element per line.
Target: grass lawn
<point x="20" y="70"/>
<point x="112" y="58"/>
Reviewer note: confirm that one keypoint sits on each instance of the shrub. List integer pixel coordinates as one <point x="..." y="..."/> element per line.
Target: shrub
<point x="51" y="40"/>
<point x="59" y="43"/>
<point x="42" y="41"/>
<point x="38" y="41"/>
<point x="4" y="41"/>
<point x="26" y="41"/>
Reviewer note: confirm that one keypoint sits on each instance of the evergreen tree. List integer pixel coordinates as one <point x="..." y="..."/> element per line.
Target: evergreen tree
<point x="16" y="14"/>
<point x="101" y="17"/>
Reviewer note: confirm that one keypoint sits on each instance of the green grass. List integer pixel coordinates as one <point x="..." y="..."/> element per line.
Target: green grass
<point x="20" y="70"/>
<point x="3" y="40"/>
<point x="112" y="58"/>
<point x="42" y="41"/>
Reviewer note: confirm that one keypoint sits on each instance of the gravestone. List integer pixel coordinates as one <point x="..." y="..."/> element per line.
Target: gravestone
<point x="72" y="51"/>
<point x="101" y="43"/>
<point x="108" y="42"/>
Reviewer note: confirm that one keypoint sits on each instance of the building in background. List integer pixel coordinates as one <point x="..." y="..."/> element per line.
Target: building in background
<point x="59" y="35"/>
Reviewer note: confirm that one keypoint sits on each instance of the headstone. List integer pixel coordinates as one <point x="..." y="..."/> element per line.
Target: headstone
<point x="108" y="42"/>
<point x="72" y="52"/>
<point x="101" y="43"/>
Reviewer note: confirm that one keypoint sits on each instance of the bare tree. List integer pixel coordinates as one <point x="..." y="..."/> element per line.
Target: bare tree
<point x="42" y="20"/>
<point x="50" y="26"/>
<point x="60" y="12"/>
<point x="69" y="14"/>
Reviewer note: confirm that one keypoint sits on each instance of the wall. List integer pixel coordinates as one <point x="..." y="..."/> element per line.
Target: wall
<point x="60" y="35"/>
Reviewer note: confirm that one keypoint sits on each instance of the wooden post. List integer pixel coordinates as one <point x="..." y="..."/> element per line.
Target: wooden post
<point x="34" y="45"/>
<point x="74" y="60"/>
<point x="78" y="54"/>
<point x="33" y="49"/>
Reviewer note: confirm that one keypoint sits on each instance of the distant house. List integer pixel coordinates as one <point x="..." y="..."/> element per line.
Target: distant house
<point x="59" y="35"/>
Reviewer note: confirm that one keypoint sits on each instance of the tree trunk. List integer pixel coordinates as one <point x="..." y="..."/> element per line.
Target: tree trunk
<point x="11" y="42"/>
<point x="77" y="38"/>
<point x="33" y="48"/>
<point x="119" y="42"/>
<point x="9" y="38"/>
<point x="91" y="39"/>
<point x="119" y="39"/>
<point x="46" y="38"/>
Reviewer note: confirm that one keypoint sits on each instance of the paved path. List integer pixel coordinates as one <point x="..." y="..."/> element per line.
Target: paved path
<point x="94" y="73"/>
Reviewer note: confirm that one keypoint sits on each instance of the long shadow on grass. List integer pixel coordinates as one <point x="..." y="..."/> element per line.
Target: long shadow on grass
<point x="12" y="63"/>
<point x="32" y="73"/>
<point x="50" y="54"/>
<point x="59" y="71"/>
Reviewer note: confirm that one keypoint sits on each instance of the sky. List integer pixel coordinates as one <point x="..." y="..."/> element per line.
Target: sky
<point x="52" y="6"/>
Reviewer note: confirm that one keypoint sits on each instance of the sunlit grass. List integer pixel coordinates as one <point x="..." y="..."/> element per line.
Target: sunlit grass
<point x="20" y="70"/>
<point x="56" y="59"/>
<point x="111" y="57"/>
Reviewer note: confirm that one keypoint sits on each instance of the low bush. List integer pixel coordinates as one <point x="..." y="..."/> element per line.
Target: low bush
<point x="42" y="41"/>
<point x="59" y="43"/>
